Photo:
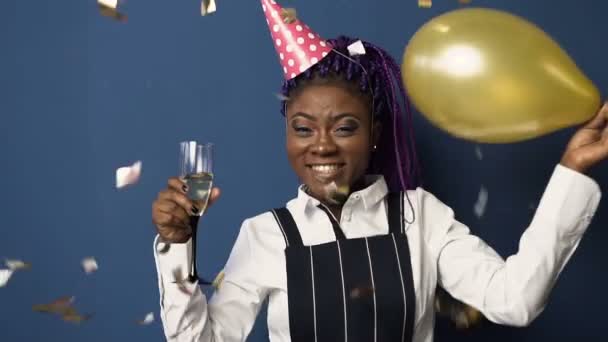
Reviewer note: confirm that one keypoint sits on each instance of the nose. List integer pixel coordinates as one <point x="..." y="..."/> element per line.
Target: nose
<point x="324" y="145"/>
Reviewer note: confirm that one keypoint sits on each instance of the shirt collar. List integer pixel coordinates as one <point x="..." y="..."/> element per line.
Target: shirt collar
<point x="370" y="195"/>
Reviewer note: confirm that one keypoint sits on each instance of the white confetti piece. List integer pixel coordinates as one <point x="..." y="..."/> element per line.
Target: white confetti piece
<point x="208" y="7"/>
<point x="108" y="3"/>
<point x="16" y="265"/>
<point x="478" y="152"/>
<point x="148" y="319"/>
<point x="5" y="275"/>
<point x="89" y="265"/>
<point x="482" y="200"/>
<point x="128" y="175"/>
<point x="356" y="48"/>
<point x="281" y="97"/>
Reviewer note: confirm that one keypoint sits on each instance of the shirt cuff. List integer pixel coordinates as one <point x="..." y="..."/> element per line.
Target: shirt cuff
<point x="570" y="199"/>
<point x="172" y="260"/>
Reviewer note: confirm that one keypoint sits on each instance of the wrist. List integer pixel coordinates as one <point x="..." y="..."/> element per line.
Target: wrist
<point x="572" y="165"/>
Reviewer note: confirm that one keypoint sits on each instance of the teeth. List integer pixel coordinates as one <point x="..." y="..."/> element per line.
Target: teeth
<point x="325" y="168"/>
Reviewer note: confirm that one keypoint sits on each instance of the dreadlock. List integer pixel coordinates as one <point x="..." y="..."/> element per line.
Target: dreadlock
<point x="377" y="77"/>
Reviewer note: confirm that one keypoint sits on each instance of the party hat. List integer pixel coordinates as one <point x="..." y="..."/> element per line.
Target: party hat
<point x="297" y="45"/>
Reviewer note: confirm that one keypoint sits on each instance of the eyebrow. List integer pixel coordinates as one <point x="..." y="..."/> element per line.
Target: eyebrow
<point x="334" y="119"/>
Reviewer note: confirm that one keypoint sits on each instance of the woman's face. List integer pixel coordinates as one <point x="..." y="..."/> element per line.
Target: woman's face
<point x="328" y="137"/>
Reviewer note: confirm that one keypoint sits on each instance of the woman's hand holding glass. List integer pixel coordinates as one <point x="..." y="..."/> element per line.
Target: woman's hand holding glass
<point x="176" y="209"/>
<point x="172" y="211"/>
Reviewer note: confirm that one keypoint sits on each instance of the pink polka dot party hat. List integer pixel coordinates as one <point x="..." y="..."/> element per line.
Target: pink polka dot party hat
<point x="298" y="46"/>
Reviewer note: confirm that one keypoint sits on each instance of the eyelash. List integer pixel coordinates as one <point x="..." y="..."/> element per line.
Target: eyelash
<point x="347" y="129"/>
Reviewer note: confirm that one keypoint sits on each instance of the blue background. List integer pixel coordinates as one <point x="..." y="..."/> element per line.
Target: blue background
<point x="81" y="95"/>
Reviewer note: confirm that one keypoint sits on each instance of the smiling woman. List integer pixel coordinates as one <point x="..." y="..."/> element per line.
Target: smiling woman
<point x="365" y="268"/>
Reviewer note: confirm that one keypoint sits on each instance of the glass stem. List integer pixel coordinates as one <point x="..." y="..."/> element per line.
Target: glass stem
<point x="193" y="276"/>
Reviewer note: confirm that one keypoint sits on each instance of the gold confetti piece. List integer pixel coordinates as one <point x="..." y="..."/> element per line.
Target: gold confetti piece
<point x="128" y="175"/>
<point x="5" y="276"/>
<point x="217" y="282"/>
<point x="425" y="3"/>
<point x="147" y="320"/>
<point x="289" y="15"/>
<point x="361" y="292"/>
<point x="59" y="306"/>
<point x="109" y="8"/>
<point x="462" y="315"/>
<point x="17" y="265"/>
<point x="337" y="194"/>
<point x="464" y="2"/>
<point x="89" y="265"/>
<point x="208" y="7"/>
<point x="72" y="316"/>
<point x="63" y="307"/>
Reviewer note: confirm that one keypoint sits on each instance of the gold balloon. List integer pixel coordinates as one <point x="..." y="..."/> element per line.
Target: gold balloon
<point x="492" y="77"/>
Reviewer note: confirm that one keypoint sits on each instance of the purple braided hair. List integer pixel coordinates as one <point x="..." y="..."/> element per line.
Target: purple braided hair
<point x="377" y="75"/>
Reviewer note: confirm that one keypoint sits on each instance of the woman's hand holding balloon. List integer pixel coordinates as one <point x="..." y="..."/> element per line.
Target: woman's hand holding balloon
<point x="589" y="145"/>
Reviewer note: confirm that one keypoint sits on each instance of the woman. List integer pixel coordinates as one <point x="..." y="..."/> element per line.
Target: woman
<point x="358" y="254"/>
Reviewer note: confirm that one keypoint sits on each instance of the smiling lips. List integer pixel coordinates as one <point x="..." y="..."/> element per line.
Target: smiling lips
<point x="326" y="172"/>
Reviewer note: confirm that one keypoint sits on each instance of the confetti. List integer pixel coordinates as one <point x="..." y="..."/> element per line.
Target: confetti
<point x="147" y="320"/>
<point x="478" y="153"/>
<point x="109" y="8"/>
<point x="63" y="308"/>
<point x="217" y="282"/>
<point x="72" y="316"/>
<point x="361" y="292"/>
<point x="16" y="265"/>
<point x="128" y="175"/>
<point x="163" y="247"/>
<point x="208" y="7"/>
<point x="281" y="97"/>
<point x="5" y="276"/>
<point x="482" y="200"/>
<point x="462" y="315"/>
<point x="337" y="194"/>
<point x="59" y="306"/>
<point x="289" y="15"/>
<point x="356" y="49"/>
<point x="464" y="2"/>
<point x="89" y="265"/>
<point x="425" y="3"/>
<point x="181" y="282"/>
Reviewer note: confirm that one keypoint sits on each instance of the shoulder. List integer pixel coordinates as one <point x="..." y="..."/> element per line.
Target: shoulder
<point x="430" y="216"/>
<point x="262" y="231"/>
<point x="424" y="205"/>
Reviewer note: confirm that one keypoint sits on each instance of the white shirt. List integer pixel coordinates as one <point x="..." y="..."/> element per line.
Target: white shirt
<point x="512" y="291"/>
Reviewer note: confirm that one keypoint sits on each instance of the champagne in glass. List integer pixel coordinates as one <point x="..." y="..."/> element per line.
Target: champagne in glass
<point x="198" y="173"/>
<point x="199" y="188"/>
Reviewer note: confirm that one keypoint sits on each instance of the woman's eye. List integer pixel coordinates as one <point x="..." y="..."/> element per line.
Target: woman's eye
<point x="345" y="130"/>
<point x="302" y="130"/>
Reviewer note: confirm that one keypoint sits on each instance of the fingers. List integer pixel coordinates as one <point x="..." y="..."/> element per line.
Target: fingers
<point x="178" y="197"/>
<point x="178" y="214"/>
<point x="600" y="119"/>
<point x="178" y="185"/>
<point x="215" y="194"/>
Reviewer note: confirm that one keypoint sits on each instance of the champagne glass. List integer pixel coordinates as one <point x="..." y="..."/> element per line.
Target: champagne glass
<point x="196" y="170"/>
